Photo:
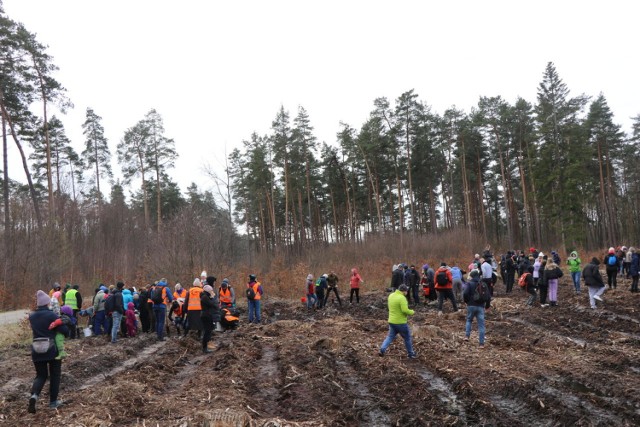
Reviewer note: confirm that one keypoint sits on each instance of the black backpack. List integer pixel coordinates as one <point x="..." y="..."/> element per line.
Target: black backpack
<point x="441" y="278"/>
<point x="481" y="293"/>
<point x="110" y="303"/>
<point x="156" y="295"/>
<point x="251" y="294"/>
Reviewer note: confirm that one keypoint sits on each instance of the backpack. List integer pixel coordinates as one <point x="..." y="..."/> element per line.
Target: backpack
<point x="441" y="278"/>
<point x="110" y="304"/>
<point x="522" y="281"/>
<point x="481" y="293"/>
<point x="156" y="295"/>
<point x="251" y="294"/>
<point x="613" y="260"/>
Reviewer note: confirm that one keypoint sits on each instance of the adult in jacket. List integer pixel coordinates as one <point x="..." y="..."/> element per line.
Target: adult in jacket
<point x="593" y="280"/>
<point x="210" y="313"/>
<point x="44" y="352"/>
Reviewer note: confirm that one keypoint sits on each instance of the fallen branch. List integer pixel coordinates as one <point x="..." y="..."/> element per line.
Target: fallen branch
<point x="253" y="410"/>
<point x="338" y="385"/>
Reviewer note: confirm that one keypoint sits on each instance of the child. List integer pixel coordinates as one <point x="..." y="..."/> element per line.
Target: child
<point x="66" y="318"/>
<point x="54" y="305"/>
<point x="131" y="322"/>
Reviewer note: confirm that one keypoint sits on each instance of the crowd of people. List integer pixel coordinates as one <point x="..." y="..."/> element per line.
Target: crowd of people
<point x="318" y="290"/>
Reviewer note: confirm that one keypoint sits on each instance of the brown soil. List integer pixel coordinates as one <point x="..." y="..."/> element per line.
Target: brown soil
<point x="567" y="365"/>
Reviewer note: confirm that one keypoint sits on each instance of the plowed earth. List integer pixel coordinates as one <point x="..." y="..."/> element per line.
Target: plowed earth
<point x="555" y="366"/>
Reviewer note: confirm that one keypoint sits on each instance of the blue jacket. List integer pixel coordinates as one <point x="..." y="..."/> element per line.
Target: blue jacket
<point x="167" y="293"/>
<point x="634" y="267"/>
<point x="40" y="321"/>
<point x="127" y="297"/>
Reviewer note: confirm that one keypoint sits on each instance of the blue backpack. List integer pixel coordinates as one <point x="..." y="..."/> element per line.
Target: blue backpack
<point x="613" y="260"/>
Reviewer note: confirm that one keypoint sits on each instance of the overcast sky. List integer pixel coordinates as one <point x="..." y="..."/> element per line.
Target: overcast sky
<point x="217" y="71"/>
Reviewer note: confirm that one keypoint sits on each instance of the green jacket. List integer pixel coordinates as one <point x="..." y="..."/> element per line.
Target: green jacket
<point x="574" y="263"/>
<point x="398" y="308"/>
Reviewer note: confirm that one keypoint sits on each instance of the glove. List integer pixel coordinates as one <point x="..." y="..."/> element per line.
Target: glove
<point x="55" y="324"/>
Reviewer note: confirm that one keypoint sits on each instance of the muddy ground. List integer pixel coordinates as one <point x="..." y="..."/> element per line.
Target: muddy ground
<point x="567" y="365"/>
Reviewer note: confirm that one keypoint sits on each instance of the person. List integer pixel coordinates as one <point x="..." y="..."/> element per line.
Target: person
<point x="321" y="285"/>
<point x="626" y="264"/>
<point x="510" y="267"/>
<point x="398" y="312"/>
<point x="397" y="277"/>
<point x="530" y="286"/>
<point x="486" y="271"/>
<point x="310" y="286"/>
<point x="476" y="306"/>
<point x="160" y="308"/>
<point x="44" y="352"/>
<point x="54" y="303"/>
<point x="118" y="311"/>
<point x="412" y="280"/>
<point x="193" y="308"/>
<point x="254" y="297"/>
<point x="550" y="277"/>
<point x="210" y="312"/>
<point x="227" y="295"/>
<point x="179" y="292"/>
<point x="575" y="268"/>
<point x="355" y="283"/>
<point x="67" y="319"/>
<point x="456" y="276"/>
<point x="145" y="309"/>
<point x="444" y="287"/>
<point x="593" y="279"/>
<point x="74" y="300"/>
<point x="332" y="286"/>
<point x="611" y="263"/>
<point x="555" y="257"/>
<point x="176" y="314"/>
<point x="538" y="271"/>
<point x="634" y="269"/>
<point x="100" y="316"/>
<point x="130" y="320"/>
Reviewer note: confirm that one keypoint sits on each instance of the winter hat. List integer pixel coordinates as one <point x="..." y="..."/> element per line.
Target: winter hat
<point x="197" y="282"/>
<point x="310" y="276"/>
<point x="136" y="295"/>
<point x="476" y="256"/>
<point x="42" y="299"/>
<point x="425" y="267"/>
<point x="443" y="264"/>
<point x="632" y="250"/>
<point x="611" y="250"/>
<point x="395" y="267"/>
<point x="57" y="295"/>
<point x="66" y="310"/>
<point x="178" y="286"/>
<point x="67" y="286"/>
<point x="211" y="280"/>
<point x="225" y="281"/>
<point x="532" y="250"/>
<point x="252" y="277"/>
<point x="325" y="275"/>
<point x="103" y="288"/>
<point x="474" y="273"/>
<point x="130" y="306"/>
<point x="540" y="255"/>
<point x="207" y="288"/>
<point x="624" y="248"/>
<point x="203" y="274"/>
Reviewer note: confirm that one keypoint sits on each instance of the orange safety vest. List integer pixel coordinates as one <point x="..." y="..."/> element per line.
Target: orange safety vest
<point x="225" y="296"/>
<point x="255" y="290"/>
<point x="194" y="299"/>
<point x="178" y="311"/>
<point x="182" y="294"/>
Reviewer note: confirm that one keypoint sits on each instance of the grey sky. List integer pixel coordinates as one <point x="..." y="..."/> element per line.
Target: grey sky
<point x="217" y="71"/>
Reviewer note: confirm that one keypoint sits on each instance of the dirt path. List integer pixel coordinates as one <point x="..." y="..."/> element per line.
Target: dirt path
<point x="565" y="365"/>
<point x="9" y="317"/>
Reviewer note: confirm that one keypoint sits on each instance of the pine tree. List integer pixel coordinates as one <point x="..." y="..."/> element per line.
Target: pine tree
<point x="96" y="154"/>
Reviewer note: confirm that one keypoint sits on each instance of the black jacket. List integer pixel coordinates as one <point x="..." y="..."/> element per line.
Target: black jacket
<point x="210" y="307"/>
<point x="591" y="275"/>
<point x="470" y="290"/>
<point x="119" y="307"/>
<point x="397" y="278"/>
<point x="40" y="321"/>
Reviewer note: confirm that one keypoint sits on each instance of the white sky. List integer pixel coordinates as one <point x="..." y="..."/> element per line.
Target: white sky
<point x="217" y="71"/>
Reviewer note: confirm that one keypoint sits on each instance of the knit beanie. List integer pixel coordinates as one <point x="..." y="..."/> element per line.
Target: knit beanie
<point x="42" y="299"/>
<point x="611" y="250"/>
<point x="310" y="277"/>
<point x="197" y="282"/>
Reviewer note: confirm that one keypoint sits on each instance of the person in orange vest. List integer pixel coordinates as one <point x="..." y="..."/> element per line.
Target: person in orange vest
<point x="226" y="294"/>
<point x="254" y="295"/>
<point x="176" y="313"/>
<point x="444" y="286"/>
<point x="193" y="309"/>
<point x="180" y="292"/>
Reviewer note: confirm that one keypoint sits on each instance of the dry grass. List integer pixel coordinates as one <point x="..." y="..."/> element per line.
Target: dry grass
<point x="15" y="337"/>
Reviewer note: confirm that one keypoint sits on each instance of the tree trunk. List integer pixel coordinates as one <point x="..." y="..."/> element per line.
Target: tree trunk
<point x="52" y="205"/>
<point x="505" y="186"/>
<point x="5" y="183"/>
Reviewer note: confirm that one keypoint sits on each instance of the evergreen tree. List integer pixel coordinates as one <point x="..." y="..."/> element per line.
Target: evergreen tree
<point x="96" y="154"/>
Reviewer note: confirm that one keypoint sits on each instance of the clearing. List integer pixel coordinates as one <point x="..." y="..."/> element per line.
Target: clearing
<point x="565" y="365"/>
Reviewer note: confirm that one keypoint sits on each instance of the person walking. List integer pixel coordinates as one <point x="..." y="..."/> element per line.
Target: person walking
<point x="398" y="312"/>
<point x="254" y="295"/>
<point x="593" y="279"/>
<point x="444" y="287"/>
<point x="44" y="352"/>
<point x="476" y="303"/>
<point x="355" y="283"/>
<point x="210" y="313"/>
<point x="575" y="268"/>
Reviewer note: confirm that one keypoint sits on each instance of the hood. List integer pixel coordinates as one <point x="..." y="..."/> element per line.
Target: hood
<point x="126" y="292"/>
<point x="66" y="310"/>
<point x="573" y="255"/>
<point x="130" y="306"/>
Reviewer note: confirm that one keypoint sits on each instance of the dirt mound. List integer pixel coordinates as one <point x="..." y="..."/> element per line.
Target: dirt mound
<point x="564" y="365"/>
